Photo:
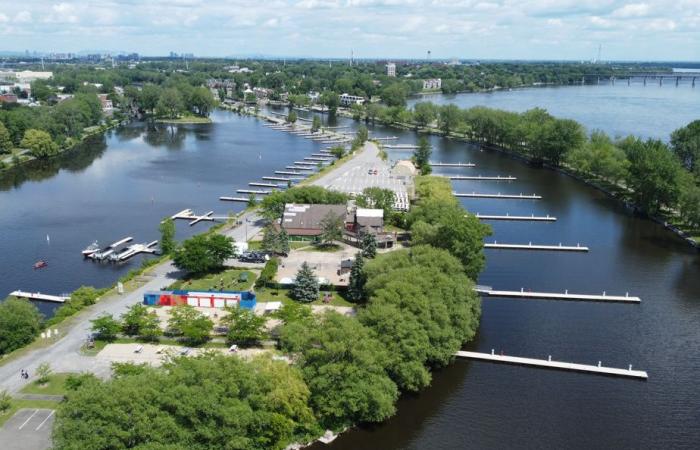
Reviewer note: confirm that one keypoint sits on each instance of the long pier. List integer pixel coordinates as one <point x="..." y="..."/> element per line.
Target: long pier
<point x="270" y="185"/>
<point x="305" y="163"/>
<point x="401" y="146"/>
<point x="39" y="296"/>
<point x="530" y="246"/>
<point x="441" y="164"/>
<point x="253" y="191"/>
<point x="522" y="293"/>
<point x="550" y="364"/>
<point x="532" y="218"/>
<point x="499" y="196"/>
<point x="287" y="172"/>
<point x="135" y="249"/>
<point x="481" y="178"/>
<point x="236" y="199"/>
<point x="299" y="168"/>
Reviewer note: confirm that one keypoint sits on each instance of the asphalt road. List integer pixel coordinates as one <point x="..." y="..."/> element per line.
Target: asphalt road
<point x="28" y="429"/>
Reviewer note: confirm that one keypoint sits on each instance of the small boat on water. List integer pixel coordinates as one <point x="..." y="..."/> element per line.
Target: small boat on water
<point x="90" y="249"/>
<point x="40" y="264"/>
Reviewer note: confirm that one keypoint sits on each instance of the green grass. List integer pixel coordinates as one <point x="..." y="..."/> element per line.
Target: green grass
<point x="55" y="385"/>
<point x="322" y="248"/>
<point x="187" y="118"/>
<point x="18" y="404"/>
<point x="282" y="295"/>
<point x="227" y="280"/>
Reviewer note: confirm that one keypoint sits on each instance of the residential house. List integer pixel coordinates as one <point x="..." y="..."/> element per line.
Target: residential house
<point x="349" y="100"/>
<point x="432" y="84"/>
<point x="303" y="220"/>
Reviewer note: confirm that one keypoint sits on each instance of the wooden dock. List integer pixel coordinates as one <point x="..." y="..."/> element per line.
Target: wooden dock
<point x="253" y="191"/>
<point x="522" y="293"/>
<point x="236" y="199"/>
<point x="441" y="164"/>
<point x="530" y="246"/>
<point x="499" y="196"/>
<point x="481" y="178"/>
<point x="532" y="218"/>
<point x="39" y="296"/>
<point x="287" y="172"/>
<point x="299" y="168"/>
<point x="305" y="163"/>
<point x="550" y="364"/>
<point x="270" y="185"/>
<point x="317" y="159"/>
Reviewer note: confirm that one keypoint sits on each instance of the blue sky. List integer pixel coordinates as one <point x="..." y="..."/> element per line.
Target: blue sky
<point x="501" y="29"/>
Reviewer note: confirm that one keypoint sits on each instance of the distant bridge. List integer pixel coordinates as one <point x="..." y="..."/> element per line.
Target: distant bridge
<point x="644" y="77"/>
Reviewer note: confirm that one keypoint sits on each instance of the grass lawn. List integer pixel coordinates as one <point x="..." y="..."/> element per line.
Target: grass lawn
<point x="282" y="295"/>
<point x="55" y="385"/>
<point x="18" y="404"/>
<point x="227" y="280"/>
<point x="322" y="248"/>
<point x="186" y="119"/>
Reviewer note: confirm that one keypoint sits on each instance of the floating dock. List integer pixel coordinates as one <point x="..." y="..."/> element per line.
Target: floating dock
<point x="522" y="293"/>
<point x="548" y="363"/>
<point x="299" y="168"/>
<point x="530" y="246"/>
<point x="281" y="179"/>
<point x="532" y="218"/>
<point x="305" y="163"/>
<point x="270" y="185"/>
<point x="134" y="250"/>
<point x="387" y="138"/>
<point x="317" y="159"/>
<point x="287" y="172"/>
<point x="499" y="196"/>
<point x="107" y="251"/>
<point x="401" y="146"/>
<point x="236" y="199"/>
<point x="441" y="164"/>
<point x="482" y="178"/>
<point x="253" y="191"/>
<point x="40" y="296"/>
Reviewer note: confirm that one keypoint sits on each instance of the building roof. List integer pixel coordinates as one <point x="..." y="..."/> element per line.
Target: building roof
<point x="405" y="167"/>
<point x="369" y="212"/>
<point x="307" y="218"/>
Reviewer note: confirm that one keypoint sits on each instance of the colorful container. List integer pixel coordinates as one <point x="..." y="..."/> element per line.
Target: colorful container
<point x="202" y="299"/>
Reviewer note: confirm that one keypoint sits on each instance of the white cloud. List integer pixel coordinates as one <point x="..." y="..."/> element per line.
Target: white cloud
<point x="555" y="22"/>
<point x="22" y="17"/>
<point x="3" y="18"/>
<point x="631" y="10"/>
<point x="661" y="25"/>
<point x="272" y="23"/>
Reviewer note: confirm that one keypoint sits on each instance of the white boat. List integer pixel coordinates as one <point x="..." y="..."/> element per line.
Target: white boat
<point x="90" y="249"/>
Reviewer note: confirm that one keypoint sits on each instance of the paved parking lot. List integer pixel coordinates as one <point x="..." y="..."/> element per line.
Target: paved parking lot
<point x="324" y="264"/>
<point x="28" y="429"/>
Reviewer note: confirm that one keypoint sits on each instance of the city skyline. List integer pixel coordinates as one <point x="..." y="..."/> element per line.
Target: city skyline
<point x="401" y="29"/>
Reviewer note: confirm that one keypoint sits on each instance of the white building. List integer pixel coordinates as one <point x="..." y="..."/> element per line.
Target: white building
<point x="25" y="76"/>
<point x="432" y="83"/>
<point x="391" y="69"/>
<point x="349" y="100"/>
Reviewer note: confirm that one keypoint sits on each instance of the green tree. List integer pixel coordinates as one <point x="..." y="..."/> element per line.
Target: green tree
<point x="244" y="327"/>
<point x="330" y="100"/>
<point x="338" y="151"/>
<point x="291" y="117"/>
<point x="170" y="104"/>
<point x="189" y="323"/>
<point x="43" y="373"/>
<point x="134" y="319"/>
<point x="356" y="283"/>
<point x="39" y="143"/>
<point x="653" y="174"/>
<point x="5" y="139"/>
<point x="106" y="327"/>
<point x="344" y="367"/>
<point x="305" y="288"/>
<point x="149" y="96"/>
<point x="369" y="245"/>
<point x="167" y="236"/>
<point x="449" y="118"/>
<point x="204" y="253"/>
<point x="424" y="114"/>
<point x="394" y="95"/>
<point x="315" y="124"/>
<point x="5" y="401"/>
<point x="331" y="228"/>
<point x="40" y="90"/>
<point x="685" y="143"/>
<point x="202" y="101"/>
<point x="20" y="323"/>
<point x="421" y="156"/>
<point x="294" y="312"/>
<point x="377" y="198"/>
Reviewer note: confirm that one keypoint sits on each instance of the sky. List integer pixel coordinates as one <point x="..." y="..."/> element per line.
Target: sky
<point x="652" y="30"/>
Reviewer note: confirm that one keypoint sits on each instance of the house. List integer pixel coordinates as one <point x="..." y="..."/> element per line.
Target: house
<point x="314" y="96"/>
<point x="106" y="103"/>
<point x="303" y="220"/>
<point x="349" y="100"/>
<point x="8" y="98"/>
<point x="432" y="84"/>
<point x="391" y="69"/>
<point x="369" y="221"/>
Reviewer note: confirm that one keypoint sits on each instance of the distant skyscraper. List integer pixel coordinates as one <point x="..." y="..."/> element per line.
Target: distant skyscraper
<point x="391" y="69"/>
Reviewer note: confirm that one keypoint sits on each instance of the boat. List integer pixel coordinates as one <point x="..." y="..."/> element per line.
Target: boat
<point x="90" y="249"/>
<point x="40" y="264"/>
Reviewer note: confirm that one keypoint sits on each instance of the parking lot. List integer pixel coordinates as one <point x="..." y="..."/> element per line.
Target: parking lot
<point x="28" y="429"/>
<point x="324" y="264"/>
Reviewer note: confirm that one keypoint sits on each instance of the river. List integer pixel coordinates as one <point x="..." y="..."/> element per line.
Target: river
<point x="139" y="176"/>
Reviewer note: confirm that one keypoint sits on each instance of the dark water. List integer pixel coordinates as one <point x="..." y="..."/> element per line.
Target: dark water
<point x="650" y="111"/>
<point x="471" y="404"/>
<point x="146" y="174"/>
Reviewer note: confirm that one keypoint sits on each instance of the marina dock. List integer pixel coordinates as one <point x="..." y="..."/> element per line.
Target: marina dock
<point x="550" y="364"/>
<point x="270" y="185"/>
<point x="287" y="172"/>
<point x="236" y="199"/>
<point x="401" y="146"/>
<point x="107" y="251"/>
<point x="299" y="168"/>
<point x="253" y="191"/>
<point x="39" y="296"/>
<point x="532" y="218"/>
<point x="499" y="196"/>
<point x="522" y="293"/>
<point x="530" y="246"/>
<point x="305" y="163"/>
<point x="282" y="178"/>
<point x="134" y="250"/>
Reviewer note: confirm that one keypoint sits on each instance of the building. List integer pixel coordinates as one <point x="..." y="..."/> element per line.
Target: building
<point x="304" y="220"/>
<point x="432" y="83"/>
<point x="391" y="69"/>
<point x="25" y="76"/>
<point x="369" y="221"/>
<point x="106" y="103"/>
<point x="8" y="98"/>
<point x="349" y="100"/>
<point x="404" y="169"/>
<point x="202" y="299"/>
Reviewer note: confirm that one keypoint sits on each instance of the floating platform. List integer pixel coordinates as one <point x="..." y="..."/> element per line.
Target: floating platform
<point x="499" y="196"/>
<point x="441" y="164"/>
<point x="482" y="178"/>
<point x="531" y="246"/>
<point x="387" y="138"/>
<point x="194" y="219"/>
<point x="253" y="191"/>
<point x="270" y="185"/>
<point x="287" y="172"/>
<point x="107" y="251"/>
<point x="315" y="158"/>
<point x="305" y="163"/>
<point x="401" y="146"/>
<point x="299" y="168"/>
<point x="548" y="363"/>
<point x="40" y="296"/>
<point x="134" y="250"/>
<point x="558" y="295"/>
<point x="236" y="199"/>
<point x="532" y="218"/>
<point x="280" y="179"/>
